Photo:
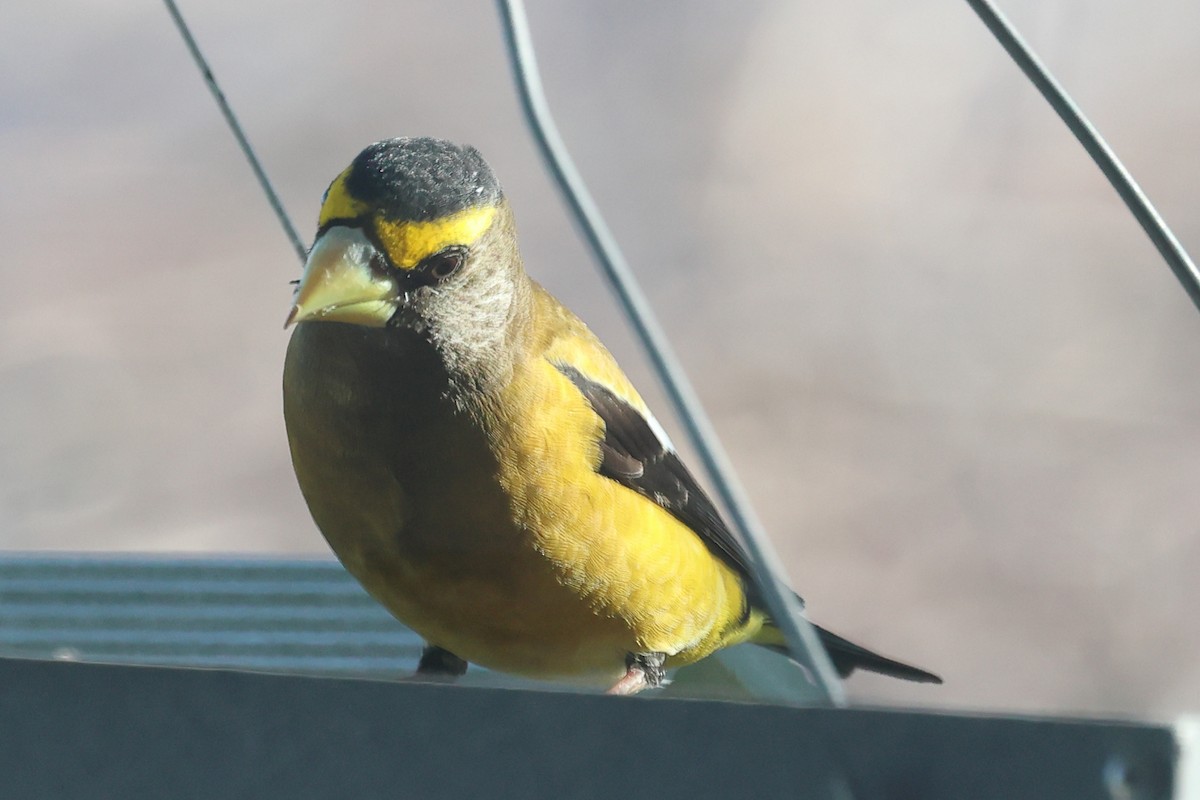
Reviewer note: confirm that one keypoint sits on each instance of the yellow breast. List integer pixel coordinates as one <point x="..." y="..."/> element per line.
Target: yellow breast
<point x="489" y="533"/>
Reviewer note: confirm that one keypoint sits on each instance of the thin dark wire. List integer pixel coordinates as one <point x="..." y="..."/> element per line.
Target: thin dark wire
<point x="801" y="638"/>
<point x="236" y="127"/>
<point x="1137" y="202"/>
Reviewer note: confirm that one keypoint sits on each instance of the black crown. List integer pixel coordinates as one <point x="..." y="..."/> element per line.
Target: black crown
<point x="422" y="179"/>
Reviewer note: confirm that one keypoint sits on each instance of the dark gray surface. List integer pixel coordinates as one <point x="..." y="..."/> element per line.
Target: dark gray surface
<point x="84" y="730"/>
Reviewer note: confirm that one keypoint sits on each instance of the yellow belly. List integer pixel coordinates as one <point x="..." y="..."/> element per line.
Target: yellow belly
<point x="525" y="623"/>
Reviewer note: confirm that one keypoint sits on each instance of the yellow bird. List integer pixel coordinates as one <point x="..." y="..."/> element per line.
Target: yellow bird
<point x="478" y="461"/>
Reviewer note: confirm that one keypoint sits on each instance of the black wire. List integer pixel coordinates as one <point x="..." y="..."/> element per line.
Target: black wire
<point x="234" y="126"/>
<point x="802" y="640"/>
<point x="1137" y="202"/>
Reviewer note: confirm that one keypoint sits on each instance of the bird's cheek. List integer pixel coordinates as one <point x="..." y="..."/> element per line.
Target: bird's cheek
<point x="411" y="309"/>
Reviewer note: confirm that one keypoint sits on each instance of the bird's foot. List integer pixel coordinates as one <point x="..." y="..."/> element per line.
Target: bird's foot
<point x="643" y="671"/>
<point x="439" y="664"/>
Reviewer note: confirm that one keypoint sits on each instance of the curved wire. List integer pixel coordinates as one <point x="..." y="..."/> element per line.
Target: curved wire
<point x="802" y="640"/>
<point x="1135" y="199"/>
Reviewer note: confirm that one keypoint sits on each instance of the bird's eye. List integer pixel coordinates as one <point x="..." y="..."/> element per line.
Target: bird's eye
<point x="441" y="266"/>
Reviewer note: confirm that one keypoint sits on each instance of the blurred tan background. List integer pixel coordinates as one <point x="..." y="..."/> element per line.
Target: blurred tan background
<point x="959" y="383"/>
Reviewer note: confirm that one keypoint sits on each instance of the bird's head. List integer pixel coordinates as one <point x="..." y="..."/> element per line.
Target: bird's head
<point x="414" y="234"/>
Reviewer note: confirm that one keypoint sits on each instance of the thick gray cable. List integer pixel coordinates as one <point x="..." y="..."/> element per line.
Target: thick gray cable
<point x="211" y="81"/>
<point x="802" y="639"/>
<point x="1137" y="202"/>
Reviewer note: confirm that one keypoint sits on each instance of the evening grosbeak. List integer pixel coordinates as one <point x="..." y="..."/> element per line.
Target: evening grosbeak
<point x="478" y="461"/>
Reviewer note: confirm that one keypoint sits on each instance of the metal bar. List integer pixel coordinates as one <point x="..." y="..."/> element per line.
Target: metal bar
<point x="785" y="608"/>
<point x="235" y="126"/>
<point x="69" y="730"/>
<point x="1137" y="202"/>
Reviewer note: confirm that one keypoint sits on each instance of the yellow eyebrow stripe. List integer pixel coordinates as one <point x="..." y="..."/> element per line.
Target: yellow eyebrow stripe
<point x="339" y="203"/>
<point x="408" y="243"/>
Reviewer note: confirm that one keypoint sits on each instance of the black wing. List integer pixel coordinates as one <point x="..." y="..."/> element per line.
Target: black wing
<point x="635" y="457"/>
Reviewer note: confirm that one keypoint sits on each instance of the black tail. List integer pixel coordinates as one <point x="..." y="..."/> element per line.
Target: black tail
<point x="847" y="657"/>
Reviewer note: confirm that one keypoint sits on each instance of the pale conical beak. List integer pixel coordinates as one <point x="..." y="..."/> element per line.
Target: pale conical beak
<point x="342" y="282"/>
